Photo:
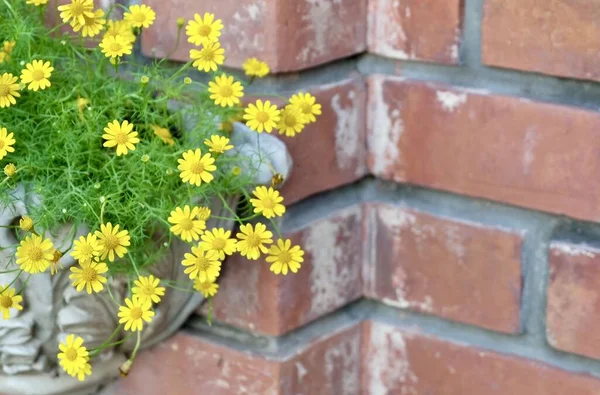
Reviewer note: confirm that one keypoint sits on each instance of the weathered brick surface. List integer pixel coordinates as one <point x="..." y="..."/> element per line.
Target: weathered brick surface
<point x="530" y="154"/>
<point x="191" y="365"/>
<point x="330" y="152"/>
<point x="553" y="37"/>
<point x="415" y="29"/>
<point x="253" y="298"/>
<point x="574" y="298"/>
<point x="396" y="361"/>
<point x="463" y="271"/>
<point x="288" y="34"/>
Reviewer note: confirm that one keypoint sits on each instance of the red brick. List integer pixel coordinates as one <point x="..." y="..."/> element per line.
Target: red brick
<point x="484" y="145"/>
<point x="191" y="365"/>
<point x="398" y="361"/>
<point x="330" y="152"/>
<point x="574" y="298"/>
<point x="462" y="271"/>
<point x="288" y="34"/>
<point x="552" y="37"/>
<point x="252" y="297"/>
<point x="415" y="29"/>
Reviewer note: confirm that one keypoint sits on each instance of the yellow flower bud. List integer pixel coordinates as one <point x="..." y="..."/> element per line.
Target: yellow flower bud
<point x="144" y="80"/>
<point x="187" y="80"/>
<point x="26" y="223"/>
<point x="180" y="22"/>
<point x="10" y="170"/>
<point x="236" y="171"/>
<point x="145" y="158"/>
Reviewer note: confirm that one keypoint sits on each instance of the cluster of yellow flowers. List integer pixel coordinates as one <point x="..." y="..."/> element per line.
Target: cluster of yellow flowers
<point x="36" y="254"/>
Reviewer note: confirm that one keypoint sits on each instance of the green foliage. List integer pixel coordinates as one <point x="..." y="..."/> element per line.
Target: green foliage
<point x="59" y="154"/>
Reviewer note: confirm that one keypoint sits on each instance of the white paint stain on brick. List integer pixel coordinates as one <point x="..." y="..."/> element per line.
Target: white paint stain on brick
<point x="573" y="250"/>
<point x="300" y="371"/>
<point x="254" y="10"/>
<point x="388" y="363"/>
<point x="407" y="11"/>
<point x="450" y="101"/>
<point x="386" y="128"/>
<point x="332" y="277"/>
<point x="455" y="241"/>
<point x="249" y="18"/>
<point x="347" y="132"/>
<point x="454" y="51"/>
<point x="387" y="36"/>
<point x="344" y="357"/>
<point x="529" y="142"/>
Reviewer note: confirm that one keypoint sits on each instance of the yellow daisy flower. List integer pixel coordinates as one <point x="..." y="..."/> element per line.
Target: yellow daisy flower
<point x="37" y="2"/>
<point x="262" y="116"/>
<point x="86" y="248"/>
<point x="85" y="370"/>
<point x="10" y="169"/>
<point x="196" y="168"/>
<point x="73" y="355"/>
<point x="224" y="91"/>
<point x="185" y="223"/>
<point x="252" y="240"/>
<point x="8" y="300"/>
<point x="202" y="264"/>
<point x="76" y="11"/>
<point x="115" y="46"/>
<point x="8" y="46"/>
<point x="218" y="144"/>
<point x="134" y="313"/>
<point x="306" y="103"/>
<point x="206" y="288"/>
<point x="292" y="121"/>
<point x="34" y="254"/>
<point x="220" y="241"/>
<point x="112" y="241"/>
<point x="120" y="135"/>
<point x="6" y="142"/>
<point x="36" y="74"/>
<point x="26" y="223"/>
<point x="268" y="202"/>
<point x="163" y="134"/>
<point x="255" y="68"/>
<point x="203" y="30"/>
<point x="89" y="276"/>
<point x="283" y="257"/>
<point x="120" y="28"/>
<point x="4" y="57"/>
<point x="203" y="213"/>
<point x="140" y="16"/>
<point x="209" y="57"/>
<point x="9" y="89"/>
<point x="147" y="290"/>
<point x="91" y="26"/>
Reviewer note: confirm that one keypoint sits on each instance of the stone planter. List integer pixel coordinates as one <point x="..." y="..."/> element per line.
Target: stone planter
<point x="53" y="308"/>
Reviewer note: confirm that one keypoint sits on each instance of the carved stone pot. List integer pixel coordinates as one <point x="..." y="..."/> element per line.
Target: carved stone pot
<point x="53" y="308"/>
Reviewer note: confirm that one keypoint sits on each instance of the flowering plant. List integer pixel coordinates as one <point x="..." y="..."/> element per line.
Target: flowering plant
<point x="88" y="137"/>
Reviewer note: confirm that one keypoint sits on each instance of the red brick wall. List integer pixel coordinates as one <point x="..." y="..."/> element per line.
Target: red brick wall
<point x="446" y="200"/>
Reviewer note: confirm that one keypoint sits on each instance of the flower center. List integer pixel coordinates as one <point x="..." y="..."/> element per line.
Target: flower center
<point x="262" y="116"/>
<point x="218" y="244"/>
<point x="253" y="240"/>
<point x="111" y="242"/>
<point x="139" y="17"/>
<point x="35" y="253"/>
<point x="202" y="264"/>
<point x="76" y="9"/>
<point x="226" y="91"/>
<point x="4" y="90"/>
<point x="89" y="275"/>
<point x="306" y="108"/>
<point x="285" y="257"/>
<point x="268" y="202"/>
<point x="290" y="121"/>
<point x="5" y="302"/>
<point x="71" y="354"/>
<point x="148" y="290"/>
<point x="207" y="55"/>
<point x="197" y="167"/>
<point x="37" y="75"/>
<point x="121" y="138"/>
<point x="186" y="224"/>
<point x="115" y="47"/>
<point x="204" y="30"/>
<point x="86" y="250"/>
<point x="136" y="313"/>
